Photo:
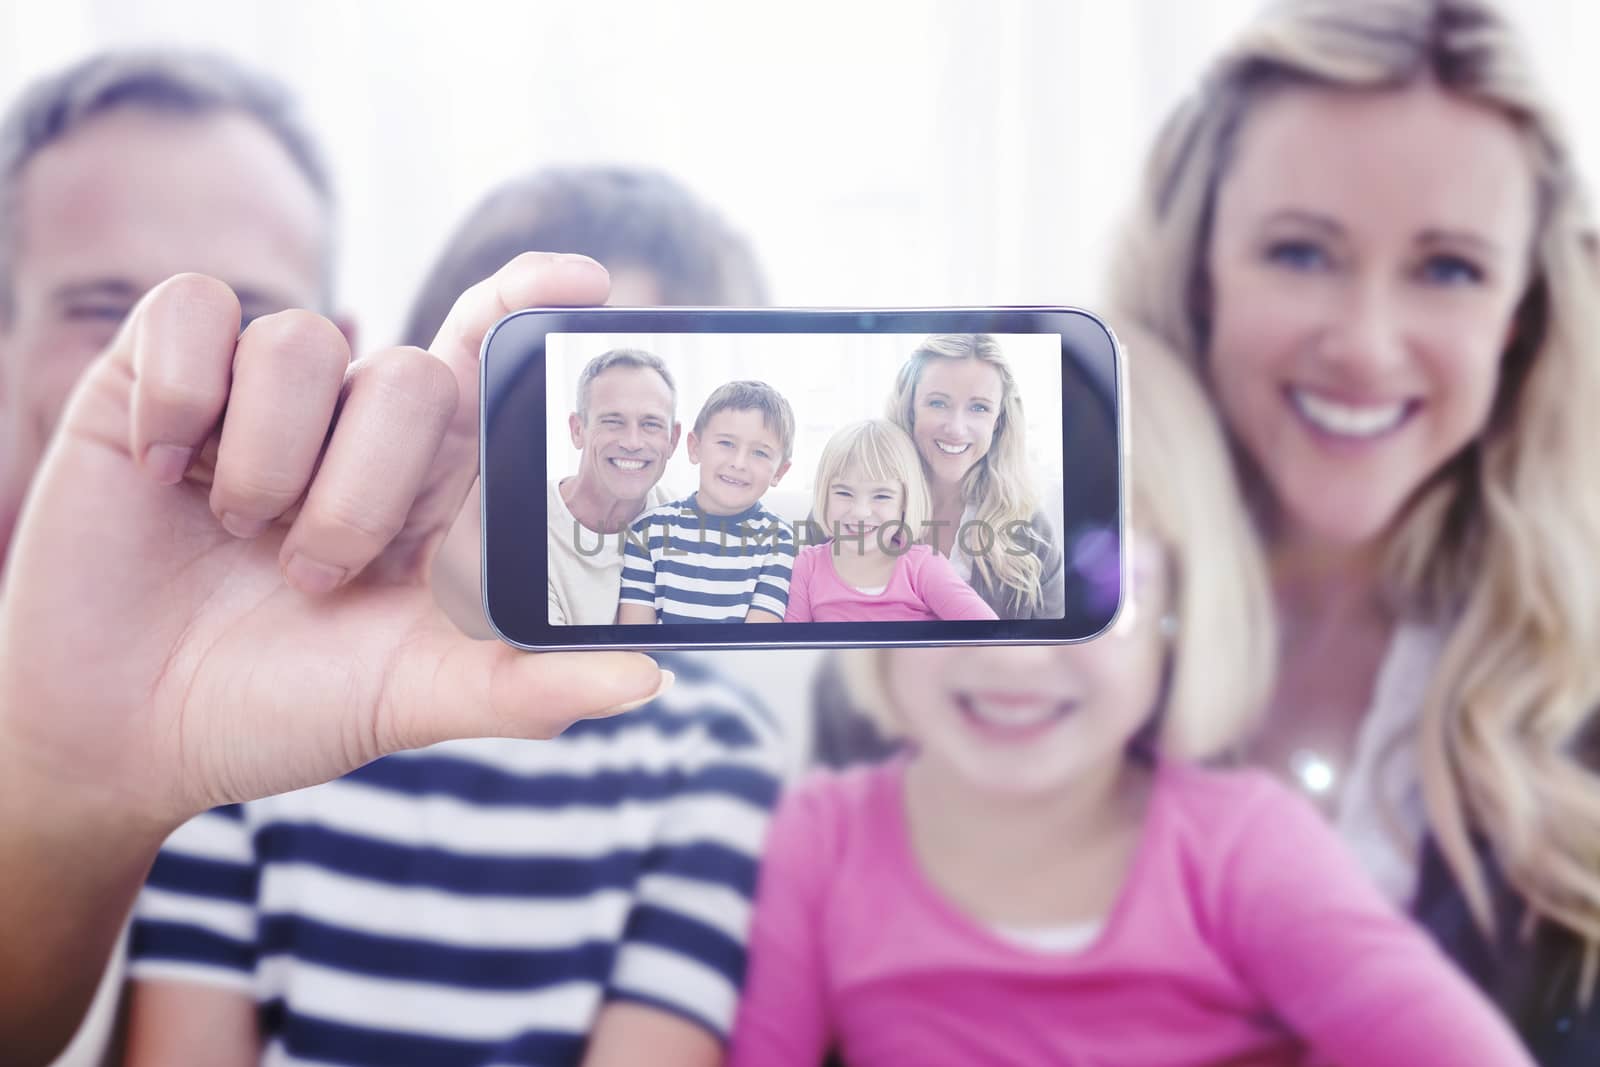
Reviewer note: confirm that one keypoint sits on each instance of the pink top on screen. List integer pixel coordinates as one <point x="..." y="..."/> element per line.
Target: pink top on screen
<point x="1245" y="934"/>
<point x="923" y="587"/>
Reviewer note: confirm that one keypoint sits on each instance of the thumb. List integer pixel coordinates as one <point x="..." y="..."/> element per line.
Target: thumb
<point x="451" y="686"/>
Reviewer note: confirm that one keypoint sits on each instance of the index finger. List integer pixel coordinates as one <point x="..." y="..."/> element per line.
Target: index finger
<point x="533" y="279"/>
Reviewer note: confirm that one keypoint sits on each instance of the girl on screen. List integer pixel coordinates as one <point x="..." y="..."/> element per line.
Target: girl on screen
<point x="1044" y="878"/>
<point x="872" y="501"/>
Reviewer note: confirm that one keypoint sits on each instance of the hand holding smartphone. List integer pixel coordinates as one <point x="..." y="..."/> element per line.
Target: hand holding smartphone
<point x="683" y="478"/>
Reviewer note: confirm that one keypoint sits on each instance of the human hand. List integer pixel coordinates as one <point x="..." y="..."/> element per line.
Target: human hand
<point x="218" y="589"/>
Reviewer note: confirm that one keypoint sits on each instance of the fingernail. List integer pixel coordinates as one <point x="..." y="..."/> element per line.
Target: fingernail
<point x="667" y="678"/>
<point x="167" y="463"/>
<point x="574" y="264"/>
<point x="240" y="526"/>
<point x="312" y="575"/>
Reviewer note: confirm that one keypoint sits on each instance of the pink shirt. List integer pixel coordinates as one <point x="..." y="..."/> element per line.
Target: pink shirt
<point x="923" y="587"/>
<point x="1245" y="935"/>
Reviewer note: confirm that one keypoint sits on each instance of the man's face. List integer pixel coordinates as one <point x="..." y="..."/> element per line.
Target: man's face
<point x="124" y="202"/>
<point x="630" y="433"/>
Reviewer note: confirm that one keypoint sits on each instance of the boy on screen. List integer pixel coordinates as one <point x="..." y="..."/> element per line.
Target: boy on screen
<point x="718" y="555"/>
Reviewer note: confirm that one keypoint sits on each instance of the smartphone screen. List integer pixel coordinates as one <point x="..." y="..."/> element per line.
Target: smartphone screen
<point x="731" y="478"/>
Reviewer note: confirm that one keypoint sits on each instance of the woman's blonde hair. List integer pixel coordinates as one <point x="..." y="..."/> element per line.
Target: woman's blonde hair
<point x="999" y="485"/>
<point x="1502" y="542"/>
<point x="880" y="450"/>
<point x="1186" y="502"/>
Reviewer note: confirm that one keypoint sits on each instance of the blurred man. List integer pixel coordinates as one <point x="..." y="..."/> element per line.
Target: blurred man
<point x="115" y="174"/>
<point x="584" y="900"/>
<point x="123" y="171"/>
<point x="118" y="173"/>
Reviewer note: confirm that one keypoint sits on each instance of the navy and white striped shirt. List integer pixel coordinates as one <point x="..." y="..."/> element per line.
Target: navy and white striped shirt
<point x="694" y="567"/>
<point x="477" y="902"/>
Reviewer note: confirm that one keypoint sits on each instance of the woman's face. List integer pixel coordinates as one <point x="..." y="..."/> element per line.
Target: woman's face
<point x="1367" y="256"/>
<point x="1031" y="719"/>
<point x="954" y="410"/>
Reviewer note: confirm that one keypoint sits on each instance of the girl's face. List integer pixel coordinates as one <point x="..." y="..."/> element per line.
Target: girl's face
<point x="1032" y="719"/>
<point x="860" y="507"/>
<point x="1367" y="256"/>
<point x="954" y="410"/>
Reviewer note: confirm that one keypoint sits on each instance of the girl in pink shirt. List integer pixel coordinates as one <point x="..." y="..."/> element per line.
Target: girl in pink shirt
<point x="872" y="499"/>
<point x="1043" y="879"/>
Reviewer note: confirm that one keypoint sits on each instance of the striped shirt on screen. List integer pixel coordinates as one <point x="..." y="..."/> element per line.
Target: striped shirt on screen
<point x="696" y="568"/>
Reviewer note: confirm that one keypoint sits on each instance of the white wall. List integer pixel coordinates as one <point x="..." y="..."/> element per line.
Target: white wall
<point x="893" y="152"/>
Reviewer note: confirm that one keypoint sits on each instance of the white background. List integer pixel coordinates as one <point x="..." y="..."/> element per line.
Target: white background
<point x="829" y="380"/>
<point x="878" y="152"/>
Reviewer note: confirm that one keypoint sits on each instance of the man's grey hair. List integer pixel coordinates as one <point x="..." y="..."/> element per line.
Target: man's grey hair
<point x="776" y="414"/>
<point x="622" y="357"/>
<point x="162" y="81"/>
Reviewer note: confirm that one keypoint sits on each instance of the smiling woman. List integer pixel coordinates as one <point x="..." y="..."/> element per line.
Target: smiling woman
<point x="1367" y="232"/>
<point x="1356" y="334"/>
<point x="958" y="398"/>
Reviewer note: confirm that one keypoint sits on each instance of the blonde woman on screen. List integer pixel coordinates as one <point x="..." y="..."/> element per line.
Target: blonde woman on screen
<point x="1364" y="230"/>
<point x="958" y="401"/>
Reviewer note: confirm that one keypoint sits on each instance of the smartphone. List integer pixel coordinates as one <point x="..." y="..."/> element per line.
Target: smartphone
<point x="658" y="478"/>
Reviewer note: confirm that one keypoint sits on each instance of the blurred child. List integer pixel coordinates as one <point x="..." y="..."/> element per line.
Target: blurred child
<point x="718" y="555"/>
<point x="872" y="498"/>
<point x="1043" y="879"/>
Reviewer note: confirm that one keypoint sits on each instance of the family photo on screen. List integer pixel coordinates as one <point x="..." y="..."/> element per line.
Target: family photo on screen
<point x="865" y="478"/>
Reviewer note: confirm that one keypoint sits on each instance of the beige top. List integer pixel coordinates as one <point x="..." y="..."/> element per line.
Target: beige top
<point x="585" y="575"/>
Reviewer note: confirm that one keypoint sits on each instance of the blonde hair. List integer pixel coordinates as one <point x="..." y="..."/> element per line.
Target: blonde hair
<point x="1501" y="542"/>
<point x="998" y="485"/>
<point x="880" y="450"/>
<point x="1186" y="500"/>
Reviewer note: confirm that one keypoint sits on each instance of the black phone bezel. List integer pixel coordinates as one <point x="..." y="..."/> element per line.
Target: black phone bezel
<point x="512" y="443"/>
